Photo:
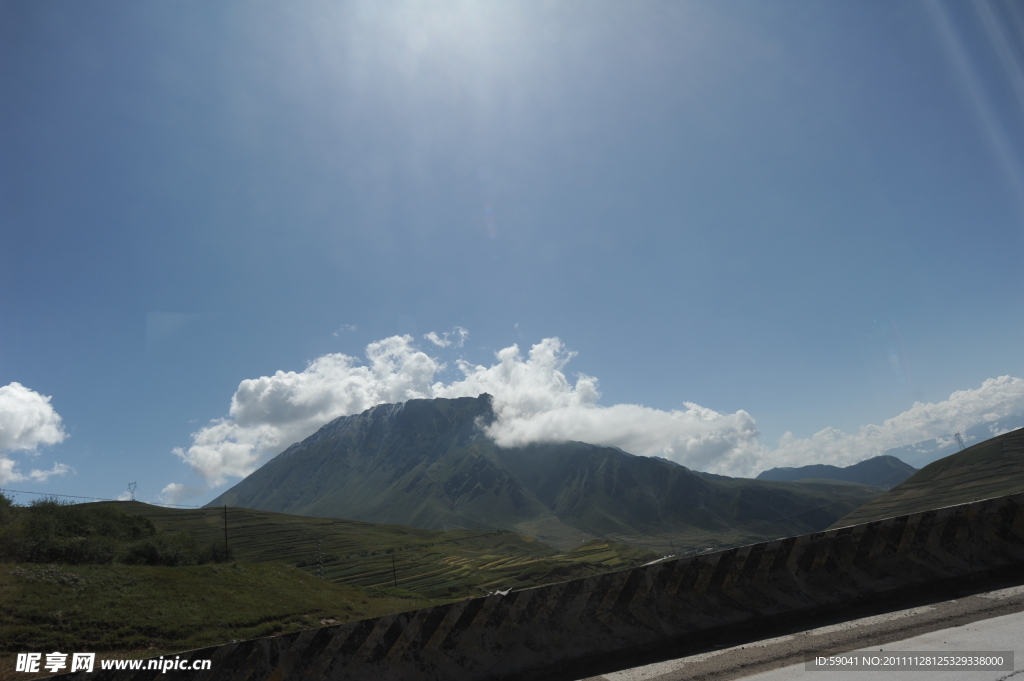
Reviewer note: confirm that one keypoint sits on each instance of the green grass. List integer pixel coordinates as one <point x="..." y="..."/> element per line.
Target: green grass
<point x="436" y="564"/>
<point x="818" y="502"/>
<point x="122" y="610"/>
<point x="142" y="611"/>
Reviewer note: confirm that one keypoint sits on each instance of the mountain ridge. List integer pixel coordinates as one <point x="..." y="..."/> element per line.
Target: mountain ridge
<point x="884" y="472"/>
<point x="428" y="463"/>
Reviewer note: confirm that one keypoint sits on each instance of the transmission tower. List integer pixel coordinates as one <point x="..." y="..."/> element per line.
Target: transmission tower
<point x="131" y="490"/>
<point x="959" y="440"/>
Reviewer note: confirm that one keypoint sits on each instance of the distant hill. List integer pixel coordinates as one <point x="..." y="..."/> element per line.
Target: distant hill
<point x="884" y="472"/>
<point x="427" y="463"/>
<point x="989" y="469"/>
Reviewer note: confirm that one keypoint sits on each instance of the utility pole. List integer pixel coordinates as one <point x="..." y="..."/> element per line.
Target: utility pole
<point x="225" y="532"/>
<point x="959" y="440"/>
<point x="320" y="556"/>
<point x="394" y="572"/>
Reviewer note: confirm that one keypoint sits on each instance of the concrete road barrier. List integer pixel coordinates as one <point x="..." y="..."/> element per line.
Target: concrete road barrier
<point x="534" y="632"/>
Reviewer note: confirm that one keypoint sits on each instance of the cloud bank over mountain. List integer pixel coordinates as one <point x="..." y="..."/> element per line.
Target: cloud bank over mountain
<point x="27" y="421"/>
<point x="534" y="401"/>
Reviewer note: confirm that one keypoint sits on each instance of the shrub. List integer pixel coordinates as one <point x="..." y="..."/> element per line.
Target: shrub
<point x="6" y="512"/>
<point x="52" y="531"/>
<point x="173" y="549"/>
<point x="215" y="553"/>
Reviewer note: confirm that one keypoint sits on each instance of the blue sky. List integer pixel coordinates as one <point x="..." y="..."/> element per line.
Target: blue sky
<point x="794" y="215"/>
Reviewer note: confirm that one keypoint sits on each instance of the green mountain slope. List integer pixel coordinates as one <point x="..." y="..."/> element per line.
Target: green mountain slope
<point x="988" y="469"/>
<point x="653" y="502"/>
<point x="422" y="463"/>
<point x="427" y="463"/>
<point x="884" y="472"/>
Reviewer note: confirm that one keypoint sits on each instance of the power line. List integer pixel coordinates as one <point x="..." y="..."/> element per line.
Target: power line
<point x="72" y="496"/>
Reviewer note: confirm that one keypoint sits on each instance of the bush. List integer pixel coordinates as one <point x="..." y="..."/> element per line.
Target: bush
<point x="6" y="513"/>
<point x="56" y="549"/>
<point x="50" y="517"/>
<point x="174" y="549"/>
<point x="51" y="531"/>
<point x="215" y="553"/>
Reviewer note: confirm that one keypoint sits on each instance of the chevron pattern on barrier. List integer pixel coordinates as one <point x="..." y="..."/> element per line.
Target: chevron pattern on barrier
<point x="526" y="632"/>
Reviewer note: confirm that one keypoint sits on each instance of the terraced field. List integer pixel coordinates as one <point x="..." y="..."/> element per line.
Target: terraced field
<point x="435" y="564"/>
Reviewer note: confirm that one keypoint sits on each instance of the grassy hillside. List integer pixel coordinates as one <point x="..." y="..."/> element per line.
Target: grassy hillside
<point x="988" y="469"/>
<point x="141" y="611"/>
<point x="80" y="534"/>
<point x="794" y="508"/>
<point x="436" y="564"/>
<point x="656" y="503"/>
<point x="65" y="584"/>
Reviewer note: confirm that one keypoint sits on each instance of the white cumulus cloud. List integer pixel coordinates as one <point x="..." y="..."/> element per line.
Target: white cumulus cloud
<point x="9" y="472"/>
<point x="172" y="494"/>
<point x="43" y="476"/>
<point x="27" y="421"/>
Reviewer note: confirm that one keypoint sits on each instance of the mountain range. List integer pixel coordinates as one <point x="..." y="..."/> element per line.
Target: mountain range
<point x="882" y="471"/>
<point x="429" y="464"/>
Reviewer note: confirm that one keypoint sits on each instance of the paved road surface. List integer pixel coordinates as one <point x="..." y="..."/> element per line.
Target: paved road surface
<point x="998" y="633"/>
<point x="992" y="620"/>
